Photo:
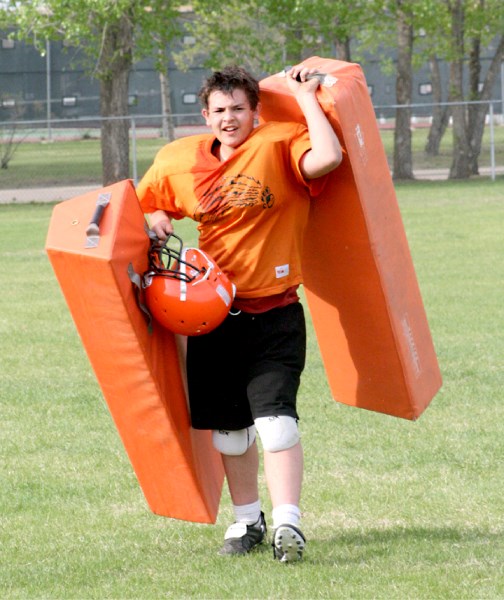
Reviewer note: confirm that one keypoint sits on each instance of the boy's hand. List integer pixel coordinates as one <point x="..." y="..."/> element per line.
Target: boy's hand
<point x="162" y="229"/>
<point x="161" y="224"/>
<point x="325" y="153"/>
<point x="298" y="81"/>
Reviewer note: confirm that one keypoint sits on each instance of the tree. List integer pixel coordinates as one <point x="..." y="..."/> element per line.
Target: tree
<point x="266" y="35"/>
<point x="478" y="91"/>
<point x="10" y="139"/>
<point x="394" y="25"/>
<point x="337" y="22"/>
<point x="8" y="144"/>
<point x="112" y="69"/>
<point x="461" y="151"/>
<point x="434" y="23"/>
<point x="111" y="34"/>
<point x="477" y="21"/>
<point x="440" y="112"/>
<point x="403" y="160"/>
<point x="166" y="109"/>
<point x="238" y="31"/>
<point x="471" y="27"/>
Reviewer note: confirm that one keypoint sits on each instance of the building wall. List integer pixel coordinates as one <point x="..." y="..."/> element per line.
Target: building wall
<point x="24" y="75"/>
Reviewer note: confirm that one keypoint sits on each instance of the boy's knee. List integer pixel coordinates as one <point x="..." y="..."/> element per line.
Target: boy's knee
<point x="233" y="443"/>
<point x="277" y="433"/>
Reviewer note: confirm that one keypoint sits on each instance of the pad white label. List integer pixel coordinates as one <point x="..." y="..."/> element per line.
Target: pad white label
<point x="359" y="134"/>
<point x="408" y="334"/>
<point x="282" y="271"/>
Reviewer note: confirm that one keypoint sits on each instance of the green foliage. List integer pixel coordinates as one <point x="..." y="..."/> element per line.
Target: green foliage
<point x="267" y="35"/>
<point x="83" y="24"/>
<point x="232" y="32"/>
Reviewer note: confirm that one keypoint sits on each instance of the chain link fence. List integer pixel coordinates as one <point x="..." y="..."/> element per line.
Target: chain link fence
<point x="25" y="143"/>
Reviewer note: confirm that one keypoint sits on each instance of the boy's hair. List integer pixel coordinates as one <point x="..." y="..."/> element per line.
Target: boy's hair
<point x="228" y="80"/>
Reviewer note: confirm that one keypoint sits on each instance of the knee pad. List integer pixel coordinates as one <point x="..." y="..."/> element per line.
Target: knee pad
<point x="233" y="443"/>
<point x="277" y="433"/>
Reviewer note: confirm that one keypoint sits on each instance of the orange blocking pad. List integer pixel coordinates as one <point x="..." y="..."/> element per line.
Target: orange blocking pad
<point x="180" y="473"/>
<point x="360" y="282"/>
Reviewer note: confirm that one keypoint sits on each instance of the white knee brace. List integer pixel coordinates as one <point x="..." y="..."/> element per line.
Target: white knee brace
<point x="277" y="433"/>
<point x="233" y="443"/>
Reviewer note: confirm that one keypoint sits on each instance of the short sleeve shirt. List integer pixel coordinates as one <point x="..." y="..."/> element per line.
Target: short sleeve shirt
<point x="251" y="209"/>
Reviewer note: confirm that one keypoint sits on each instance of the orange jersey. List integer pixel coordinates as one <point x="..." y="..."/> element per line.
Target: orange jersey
<point x="251" y="209"/>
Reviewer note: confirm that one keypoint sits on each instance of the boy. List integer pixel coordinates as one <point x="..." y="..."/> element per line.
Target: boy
<point x="249" y="189"/>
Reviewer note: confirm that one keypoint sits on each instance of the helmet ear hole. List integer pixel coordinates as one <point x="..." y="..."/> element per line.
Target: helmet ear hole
<point x="190" y="295"/>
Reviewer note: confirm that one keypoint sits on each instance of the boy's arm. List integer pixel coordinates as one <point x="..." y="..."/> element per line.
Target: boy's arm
<point x="325" y="153"/>
<point x="159" y="221"/>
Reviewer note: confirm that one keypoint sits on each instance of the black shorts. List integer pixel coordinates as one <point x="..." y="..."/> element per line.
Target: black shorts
<point x="249" y="367"/>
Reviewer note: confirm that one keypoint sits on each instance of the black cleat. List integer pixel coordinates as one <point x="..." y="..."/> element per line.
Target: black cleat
<point x="241" y="538"/>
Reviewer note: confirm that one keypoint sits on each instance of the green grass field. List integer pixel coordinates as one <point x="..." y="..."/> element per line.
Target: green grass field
<point x="79" y="161"/>
<point x="392" y="509"/>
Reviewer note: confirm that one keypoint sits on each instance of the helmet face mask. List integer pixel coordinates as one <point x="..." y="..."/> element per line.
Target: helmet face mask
<point x="166" y="260"/>
<point x="185" y="290"/>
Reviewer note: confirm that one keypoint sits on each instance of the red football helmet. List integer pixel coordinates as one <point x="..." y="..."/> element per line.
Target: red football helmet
<point x="185" y="290"/>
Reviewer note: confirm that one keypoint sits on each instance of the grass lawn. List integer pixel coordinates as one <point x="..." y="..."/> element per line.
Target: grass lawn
<point x="444" y="158"/>
<point x="38" y="164"/>
<point x="66" y="163"/>
<point x="391" y="508"/>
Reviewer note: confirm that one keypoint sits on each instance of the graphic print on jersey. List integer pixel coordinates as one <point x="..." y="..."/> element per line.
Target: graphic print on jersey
<point x="234" y="191"/>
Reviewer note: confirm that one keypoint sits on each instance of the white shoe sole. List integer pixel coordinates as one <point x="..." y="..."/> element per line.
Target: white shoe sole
<point x="288" y="543"/>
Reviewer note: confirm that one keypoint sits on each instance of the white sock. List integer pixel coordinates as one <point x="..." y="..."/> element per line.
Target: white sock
<point x="248" y="513"/>
<point x="286" y="514"/>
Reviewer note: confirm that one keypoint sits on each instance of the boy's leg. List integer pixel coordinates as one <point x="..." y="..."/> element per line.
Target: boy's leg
<point x="284" y="476"/>
<point x="241" y="474"/>
<point x="242" y="477"/>
<point x="272" y="395"/>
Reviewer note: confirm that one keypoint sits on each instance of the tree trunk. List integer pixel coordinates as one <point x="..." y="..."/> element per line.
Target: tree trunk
<point x="477" y="112"/>
<point x="8" y="146"/>
<point x="168" y="127"/>
<point x="440" y="114"/>
<point x="473" y="110"/>
<point x="403" y="163"/>
<point x="461" y="162"/>
<point x="113" y="70"/>
<point x="342" y="49"/>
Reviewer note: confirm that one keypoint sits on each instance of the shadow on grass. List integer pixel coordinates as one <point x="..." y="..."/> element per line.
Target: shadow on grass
<point x="416" y="544"/>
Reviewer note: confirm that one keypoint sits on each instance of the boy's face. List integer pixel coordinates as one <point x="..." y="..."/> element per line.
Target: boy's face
<point x="230" y="118"/>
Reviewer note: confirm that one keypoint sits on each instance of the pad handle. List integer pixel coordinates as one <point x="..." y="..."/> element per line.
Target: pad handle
<point x="325" y="79"/>
<point x="101" y="204"/>
<point x="319" y="76"/>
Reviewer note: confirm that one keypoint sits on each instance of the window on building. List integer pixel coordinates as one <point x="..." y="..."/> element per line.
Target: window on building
<point x="425" y="89"/>
<point x="189" y="98"/>
<point x="69" y="101"/>
<point x="8" y="44"/>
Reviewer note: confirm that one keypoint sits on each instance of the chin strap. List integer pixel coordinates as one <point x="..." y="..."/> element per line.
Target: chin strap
<point x="138" y="282"/>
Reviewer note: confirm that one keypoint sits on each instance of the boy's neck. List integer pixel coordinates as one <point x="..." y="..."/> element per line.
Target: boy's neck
<point x="220" y="152"/>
